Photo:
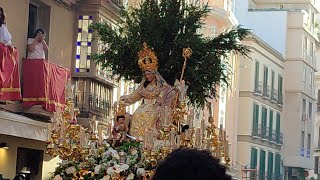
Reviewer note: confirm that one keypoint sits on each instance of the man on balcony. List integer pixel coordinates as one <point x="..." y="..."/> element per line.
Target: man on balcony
<point x="37" y="45"/>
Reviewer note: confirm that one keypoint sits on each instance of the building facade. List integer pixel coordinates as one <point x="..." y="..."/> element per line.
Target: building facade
<point x="260" y="136"/>
<point x="296" y="39"/>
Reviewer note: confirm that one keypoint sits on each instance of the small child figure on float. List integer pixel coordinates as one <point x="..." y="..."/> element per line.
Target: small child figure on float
<point x="121" y="127"/>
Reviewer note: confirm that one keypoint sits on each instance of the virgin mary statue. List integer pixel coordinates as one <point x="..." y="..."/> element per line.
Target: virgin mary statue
<point x="154" y="92"/>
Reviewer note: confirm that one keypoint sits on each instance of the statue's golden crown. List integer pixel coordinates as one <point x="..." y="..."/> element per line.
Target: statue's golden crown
<point x="148" y="60"/>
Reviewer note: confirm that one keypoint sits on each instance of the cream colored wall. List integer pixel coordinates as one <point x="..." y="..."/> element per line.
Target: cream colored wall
<point x="265" y="56"/>
<point x="61" y="29"/>
<point x="243" y="153"/>
<point x="17" y="20"/>
<point x="8" y="157"/>
<point x="245" y="116"/>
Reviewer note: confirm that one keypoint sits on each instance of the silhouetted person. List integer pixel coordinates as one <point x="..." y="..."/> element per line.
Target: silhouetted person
<point x="190" y="164"/>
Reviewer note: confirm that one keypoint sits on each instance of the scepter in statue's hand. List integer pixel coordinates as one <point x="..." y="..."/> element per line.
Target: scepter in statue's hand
<point x="186" y="53"/>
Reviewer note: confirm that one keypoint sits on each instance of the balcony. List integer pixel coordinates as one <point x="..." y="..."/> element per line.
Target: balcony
<point x="266" y="134"/>
<point x="44" y="84"/>
<point x="274" y="96"/>
<point x="93" y="98"/>
<point x="43" y="89"/>
<point x="266" y="91"/>
<point x="258" y="88"/>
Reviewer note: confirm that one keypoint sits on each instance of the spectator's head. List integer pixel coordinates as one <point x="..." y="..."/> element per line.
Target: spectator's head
<point x="39" y="31"/>
<point x="2" y="17"/>
<point x="190" y="164"/>
<point x="20" y="177"/>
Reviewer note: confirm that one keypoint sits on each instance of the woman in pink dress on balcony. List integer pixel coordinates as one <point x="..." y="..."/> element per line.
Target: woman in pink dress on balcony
<point x="5" y="36"/>
<point x="37" y="46"/>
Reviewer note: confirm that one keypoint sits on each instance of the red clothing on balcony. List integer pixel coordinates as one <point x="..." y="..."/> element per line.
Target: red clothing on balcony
<point x="9" y="74"/>
<point x="44" y="84"/>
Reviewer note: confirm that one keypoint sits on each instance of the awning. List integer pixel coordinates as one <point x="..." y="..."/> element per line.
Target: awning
<point x="21" y="126"/>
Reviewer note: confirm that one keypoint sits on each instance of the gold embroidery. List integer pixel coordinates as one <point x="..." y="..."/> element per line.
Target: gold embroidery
<point x="43" y="100"/>
<point x="10" y="90"/>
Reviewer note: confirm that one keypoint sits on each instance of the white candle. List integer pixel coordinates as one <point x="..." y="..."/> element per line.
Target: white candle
<point x="190" y="118"/>
<point x="221" y="132"/>
<point x="203" y="126"/>
<point x="198" y="138"/>
<point x="146" y="139"/>
<point x="81" y="136"/>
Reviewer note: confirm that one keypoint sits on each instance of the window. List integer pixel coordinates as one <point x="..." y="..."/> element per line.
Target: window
<point x="32" y="20"/>
<point x="310" y="79"/>
<point x="84" y="42"/>
<point x="304" y="106"/>
<point x="39" y="17"/>
<point x="256" y="77"/>
<point x="310" y="110"/>
<point x="255" y="119"/>
<point x="304" y="74"/>
<point x="311" y="51"/>
<point x="264" y="122"/>
<point x="302" y="140"/>
<point x="254" y="155"/>
<point x="273" y="92"/>
<point x="272" y="80"/>
<point x="265" y="79"/>
<point x="305" y="47"/>
<point x="280" y="82"/>
<point x="309" y="142"/>
<point x="270" y="124"/>
<point x="277" y="166"/>
<point x="278" y="124"/>
<point x="262" y="164"/>
<point x="270" y="166"/>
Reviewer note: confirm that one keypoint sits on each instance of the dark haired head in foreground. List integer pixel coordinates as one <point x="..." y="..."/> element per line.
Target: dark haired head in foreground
<point x="190" y="164"/>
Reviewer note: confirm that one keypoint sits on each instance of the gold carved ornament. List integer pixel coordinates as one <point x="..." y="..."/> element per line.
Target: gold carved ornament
<point x="148" y="60"/>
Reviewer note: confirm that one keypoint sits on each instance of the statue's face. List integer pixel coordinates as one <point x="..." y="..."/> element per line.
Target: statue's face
<point x="121" y="120"/>
<point x="149" y="76"/>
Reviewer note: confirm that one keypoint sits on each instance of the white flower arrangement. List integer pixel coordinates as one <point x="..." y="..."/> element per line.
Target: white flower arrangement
<point x="110" y="162"/>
